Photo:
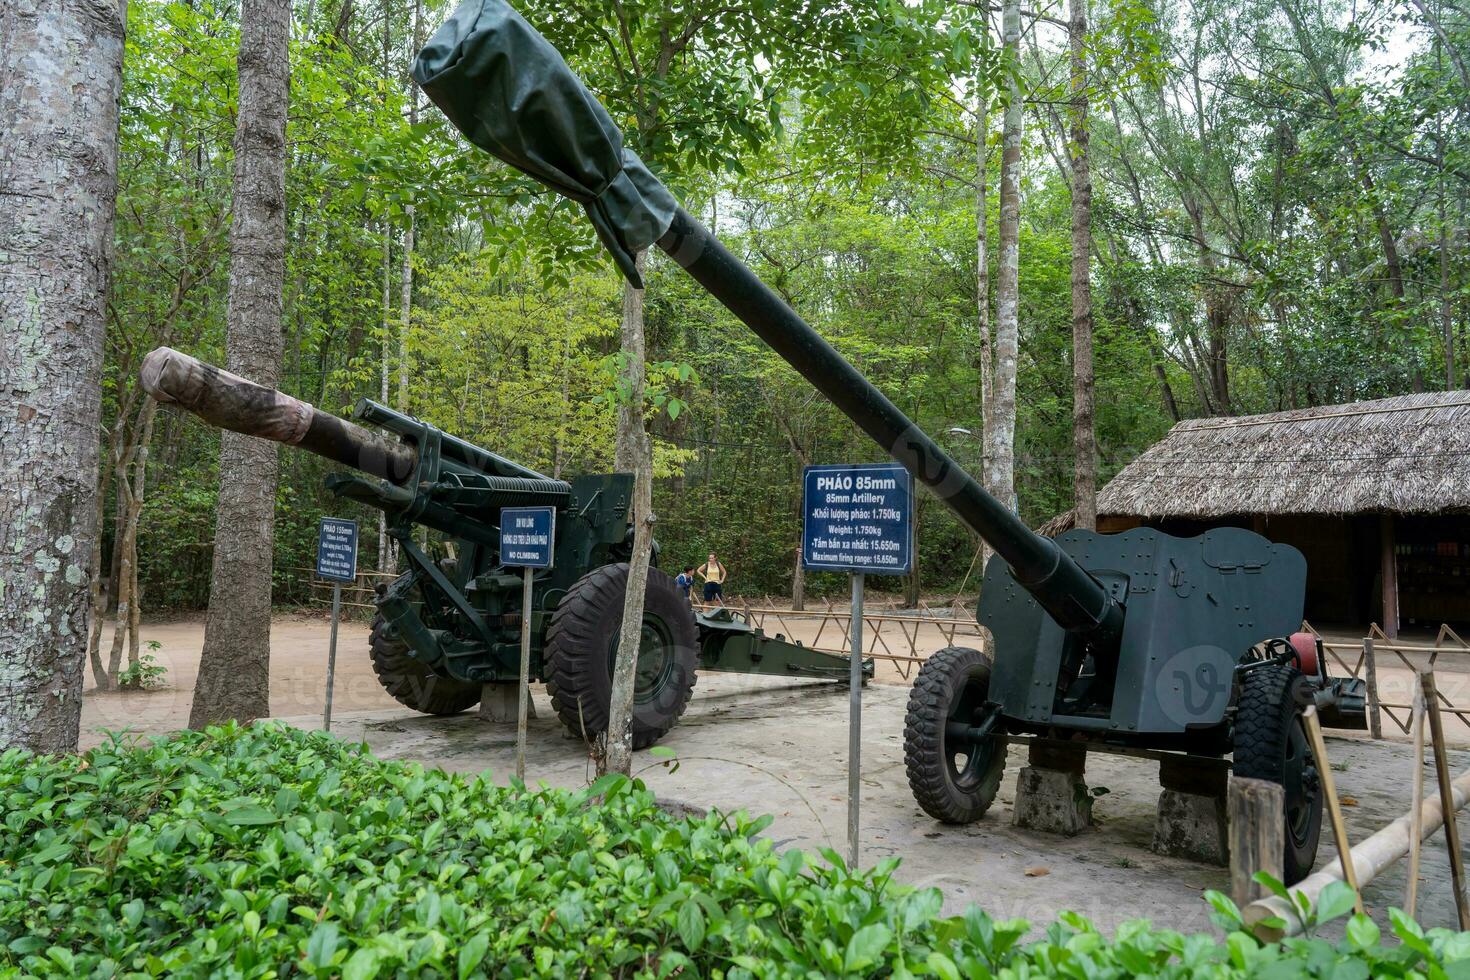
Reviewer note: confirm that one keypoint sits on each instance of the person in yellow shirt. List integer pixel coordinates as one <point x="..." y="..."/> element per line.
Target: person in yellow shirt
<point x="714" y="575"/>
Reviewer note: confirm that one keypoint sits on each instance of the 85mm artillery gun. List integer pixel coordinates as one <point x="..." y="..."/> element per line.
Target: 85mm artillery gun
<point x="1137" y="640"/>
<point x="450" y="625"/>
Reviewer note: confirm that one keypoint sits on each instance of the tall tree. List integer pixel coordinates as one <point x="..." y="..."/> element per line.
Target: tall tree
<point x="1084" y="436"/>
<point x="1000" y="450"/>
<point x="984" y="65"/>
<point x="60" y="79"/>
<point x="234" y="669"/>
<point x="405" y="307"/>
<point x="635" y="453"/>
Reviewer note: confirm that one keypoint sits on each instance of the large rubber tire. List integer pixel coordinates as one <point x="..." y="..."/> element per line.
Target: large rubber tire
<point x="1271" y="744"/>
<point x="581" y="648"/>
<point x="411" y="682"/>
<point x="952" y="785"/>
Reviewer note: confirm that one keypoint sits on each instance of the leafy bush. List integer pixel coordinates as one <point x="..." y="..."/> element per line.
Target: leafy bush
<point x="145" y="673"/>
<point x="259" y="851"/>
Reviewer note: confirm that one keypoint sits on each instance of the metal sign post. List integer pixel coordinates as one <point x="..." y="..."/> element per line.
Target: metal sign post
<point x="857" y="519"/>
<point x="336" y="561"/>
<point x="527" y="541"/>
<point x="854" y="718"/>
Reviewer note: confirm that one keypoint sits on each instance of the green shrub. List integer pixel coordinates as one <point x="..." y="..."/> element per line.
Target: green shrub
<point x="266" y="851"/>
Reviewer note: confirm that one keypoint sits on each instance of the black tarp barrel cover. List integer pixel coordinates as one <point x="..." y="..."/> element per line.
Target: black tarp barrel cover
<point x="508" y="90"/>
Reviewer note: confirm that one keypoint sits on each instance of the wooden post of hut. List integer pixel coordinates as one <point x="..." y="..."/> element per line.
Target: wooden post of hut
<point x="1390" y="576"/>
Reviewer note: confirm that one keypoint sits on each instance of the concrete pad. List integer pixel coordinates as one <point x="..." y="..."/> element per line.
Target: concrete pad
<point x="1052" y="801"/>
<point x="501" y="704"/>
<point x="1191" y="821"/>
<point x="1193" y="826"/>
<point x="768" y="745"/>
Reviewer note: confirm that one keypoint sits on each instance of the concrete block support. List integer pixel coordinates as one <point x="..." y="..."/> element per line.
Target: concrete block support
<point x="1191" y="820"/>
<point x="1051" y="794"/>
<point x="498" y="703"/>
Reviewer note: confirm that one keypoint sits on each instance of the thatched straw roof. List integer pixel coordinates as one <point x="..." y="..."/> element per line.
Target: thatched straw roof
<point x="1064" y="521"/>
<point x="1405" y="455"/>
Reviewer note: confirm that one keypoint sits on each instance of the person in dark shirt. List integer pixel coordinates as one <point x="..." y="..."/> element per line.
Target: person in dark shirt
<point x="685" y="580"/>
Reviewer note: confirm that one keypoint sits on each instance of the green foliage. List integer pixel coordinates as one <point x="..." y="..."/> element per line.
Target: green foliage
<point x="240" y="851"/>
<point x="145" y="673"/>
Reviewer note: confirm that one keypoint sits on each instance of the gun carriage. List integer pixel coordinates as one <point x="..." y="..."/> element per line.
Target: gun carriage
<point x="450" y="624"/>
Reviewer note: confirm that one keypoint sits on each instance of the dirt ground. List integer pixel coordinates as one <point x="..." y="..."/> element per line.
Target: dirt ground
<point x="298" y="676"/>
<point x="772" y="746"/>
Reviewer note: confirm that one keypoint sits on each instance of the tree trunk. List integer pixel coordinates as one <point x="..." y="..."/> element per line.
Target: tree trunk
<point x="234" y="668"/>
<point x="385" y="556"/>
<point x="912" y="581"/>
<point x="97" y="602"/>
<point x="1084" y="438"/>
<point x="405" y="306"/>
<point x="387" y="559"/>
<point x="131" y="470"/>
<point x="1446" y="315"/>
<point x="136" y="609"/>
<point x="131" y="477"/>
<point x="798" y="583"/>
<point x="405" y="310"/>
<point x="1000" y="450"/>
<point x="60" y="76"/>
<point x="982" y="262"/>
<point x="634" y="452"/>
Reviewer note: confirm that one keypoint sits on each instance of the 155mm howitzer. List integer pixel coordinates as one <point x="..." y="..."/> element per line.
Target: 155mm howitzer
<point x="449" y="625"/>
<point x="1136" y="640"/>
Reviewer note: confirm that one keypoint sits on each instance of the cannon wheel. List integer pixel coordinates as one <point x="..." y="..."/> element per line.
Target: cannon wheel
<point x="954" y="783"/>
<point x="1271" y="744"/>
<point x="411" y="682"/>
<point x="581" y="647"/>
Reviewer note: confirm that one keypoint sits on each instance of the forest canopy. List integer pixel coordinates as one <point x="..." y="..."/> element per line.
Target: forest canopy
<point x="1278" y="221"/>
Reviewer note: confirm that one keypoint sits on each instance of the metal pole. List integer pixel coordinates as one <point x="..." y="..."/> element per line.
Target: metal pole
<point x="332" y="653"/>
<point x="525" y="686"/>
<point x="855" y="719"/>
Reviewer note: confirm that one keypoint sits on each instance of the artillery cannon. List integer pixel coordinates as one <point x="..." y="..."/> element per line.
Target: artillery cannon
<point x="450" y="625"/>
<point x="1133" y="640"/>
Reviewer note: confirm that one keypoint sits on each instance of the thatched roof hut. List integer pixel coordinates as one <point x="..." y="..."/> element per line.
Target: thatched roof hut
<point x="1405" y="455"/>
<point x="1376" y="494"/>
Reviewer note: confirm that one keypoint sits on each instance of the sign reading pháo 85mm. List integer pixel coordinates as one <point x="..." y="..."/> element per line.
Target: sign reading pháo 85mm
<point x="858" y="518"/>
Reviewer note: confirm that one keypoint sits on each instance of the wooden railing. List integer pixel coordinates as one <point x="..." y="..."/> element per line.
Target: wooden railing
<point x="1365" y="658"/>
<point x="357" y="595"/>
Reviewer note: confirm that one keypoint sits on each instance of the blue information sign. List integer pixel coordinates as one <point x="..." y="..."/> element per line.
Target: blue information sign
<point x="527" y="536"/>
<point x="336" y="549"/>
<point x="858" y="518"/>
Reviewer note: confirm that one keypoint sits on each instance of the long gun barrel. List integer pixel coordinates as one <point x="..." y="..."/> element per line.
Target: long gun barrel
<point x="509" y="91"/>
<point x="229" y="401"/>
<point x="426" y="476"/>
<point x="1073" y="597"/>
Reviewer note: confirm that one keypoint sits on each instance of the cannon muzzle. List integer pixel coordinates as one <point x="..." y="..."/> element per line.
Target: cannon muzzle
<point x="229" y="401"/>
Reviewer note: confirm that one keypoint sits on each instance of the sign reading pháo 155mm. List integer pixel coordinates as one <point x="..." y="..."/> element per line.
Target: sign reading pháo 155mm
<point x="858" y="518"/>
<point x="336" y="549"/>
